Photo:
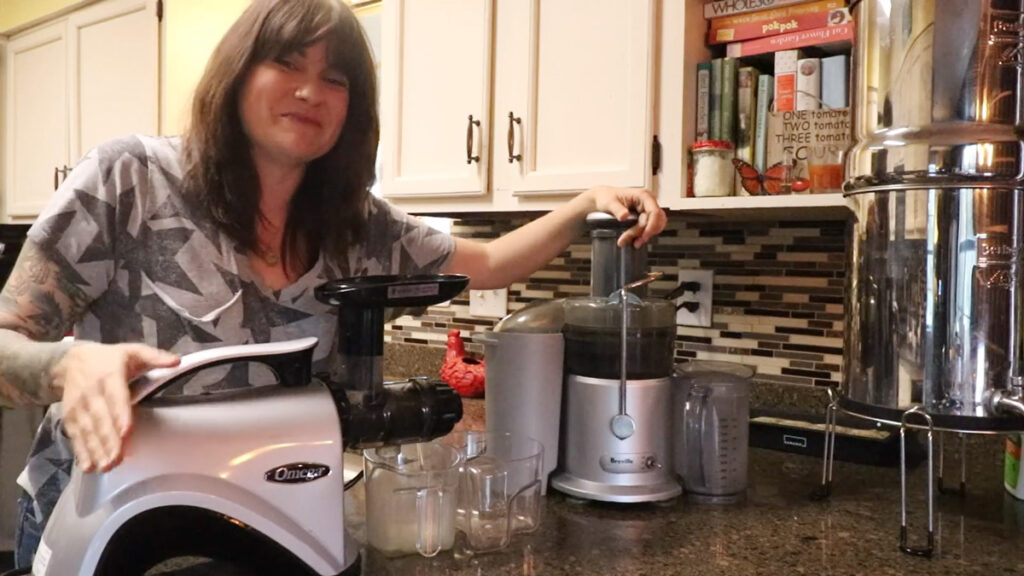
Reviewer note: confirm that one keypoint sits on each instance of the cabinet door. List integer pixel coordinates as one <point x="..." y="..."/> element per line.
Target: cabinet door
<point x="435" y="97"/>
<point x="114" y="72"/>
<point x="36" y="113"/>
<point x="578" y="76"/>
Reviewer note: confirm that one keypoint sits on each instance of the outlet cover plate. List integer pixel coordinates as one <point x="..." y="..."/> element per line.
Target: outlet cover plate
<point x="488" y="303"/>
<point x="702" y="315"/>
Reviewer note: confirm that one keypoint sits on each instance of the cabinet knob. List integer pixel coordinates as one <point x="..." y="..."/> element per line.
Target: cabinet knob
<point x="470" y="158"/>
<point x="512" y="121"/>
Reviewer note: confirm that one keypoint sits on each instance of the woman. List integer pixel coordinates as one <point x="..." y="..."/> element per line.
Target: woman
<point x="157" y="247"/>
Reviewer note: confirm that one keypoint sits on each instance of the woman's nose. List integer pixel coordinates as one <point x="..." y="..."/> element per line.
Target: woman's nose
<point x="308" y="91"/>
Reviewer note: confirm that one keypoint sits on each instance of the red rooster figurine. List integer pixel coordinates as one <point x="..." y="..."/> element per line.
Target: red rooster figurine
<point x="464" y="374"/>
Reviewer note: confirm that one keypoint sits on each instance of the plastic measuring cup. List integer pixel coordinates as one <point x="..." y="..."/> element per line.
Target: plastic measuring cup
<point x="712" y="429"/>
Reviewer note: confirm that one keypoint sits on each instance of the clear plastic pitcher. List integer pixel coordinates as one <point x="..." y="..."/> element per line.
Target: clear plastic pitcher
<point x="712" y="429"/>
<point x="410" y="498"/>
<point x="499" y="487"/>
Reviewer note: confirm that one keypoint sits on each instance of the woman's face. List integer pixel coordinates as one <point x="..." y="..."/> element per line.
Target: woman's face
<point x="294" y="108"/>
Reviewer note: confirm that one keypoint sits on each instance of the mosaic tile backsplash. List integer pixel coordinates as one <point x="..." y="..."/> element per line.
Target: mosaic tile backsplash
<point x="777" y="298"/>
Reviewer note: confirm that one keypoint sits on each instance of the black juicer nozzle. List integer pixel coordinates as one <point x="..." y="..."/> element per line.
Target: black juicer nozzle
<point x="372" y="412"/>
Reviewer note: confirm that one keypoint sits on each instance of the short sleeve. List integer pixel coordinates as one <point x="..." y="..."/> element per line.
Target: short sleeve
<point x="398" y="243"/>
<point x="91" y="209"/>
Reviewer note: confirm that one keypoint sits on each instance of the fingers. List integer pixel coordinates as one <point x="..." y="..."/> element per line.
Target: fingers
<point x="82" y="455"/>
<point x="95" y="435"/>
<point x="97" y="403"/>
<point x="142" y="358"/>
<point x="651" y="220"/>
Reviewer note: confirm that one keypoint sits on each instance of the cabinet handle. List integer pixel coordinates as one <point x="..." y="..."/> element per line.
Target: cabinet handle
<point x="469" y="141"/>
<point x="512" y="121"/>
<point x="60" y="173"/>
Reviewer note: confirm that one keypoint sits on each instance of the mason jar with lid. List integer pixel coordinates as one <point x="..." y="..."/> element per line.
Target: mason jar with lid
<point x="713" y="173"/>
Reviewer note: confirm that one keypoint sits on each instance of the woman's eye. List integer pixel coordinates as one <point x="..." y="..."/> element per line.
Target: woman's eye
<point x="286" y="62"/>
<point x="337" y="80"/>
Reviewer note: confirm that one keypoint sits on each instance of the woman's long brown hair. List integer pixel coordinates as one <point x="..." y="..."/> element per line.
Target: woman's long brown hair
<point x="328" y="211"/>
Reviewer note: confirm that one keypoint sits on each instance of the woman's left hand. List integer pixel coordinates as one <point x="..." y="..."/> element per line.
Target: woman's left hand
<point x="619" y="201"/>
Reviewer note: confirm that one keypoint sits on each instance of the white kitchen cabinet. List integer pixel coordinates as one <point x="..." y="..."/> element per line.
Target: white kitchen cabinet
<point x="435" y="98"/>
<point x="36" y="139"/>
<point x="561" y="94"/>
<point x="71" y="84"/>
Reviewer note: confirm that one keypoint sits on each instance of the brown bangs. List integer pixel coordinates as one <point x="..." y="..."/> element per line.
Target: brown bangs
<point x="296" y="25"/>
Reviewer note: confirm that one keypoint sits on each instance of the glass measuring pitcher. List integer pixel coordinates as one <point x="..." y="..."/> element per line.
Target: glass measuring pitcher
<point x="499" y="487"/>
<point x="712" y="429"/>
<point x="410" y="498"/>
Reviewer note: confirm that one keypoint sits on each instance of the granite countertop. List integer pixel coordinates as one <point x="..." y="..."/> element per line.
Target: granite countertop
<point x="779" y="530"/>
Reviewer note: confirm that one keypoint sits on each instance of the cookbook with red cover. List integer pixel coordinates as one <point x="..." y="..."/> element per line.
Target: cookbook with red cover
<point x="778" y="21"/>
<point x="820" y="37"/>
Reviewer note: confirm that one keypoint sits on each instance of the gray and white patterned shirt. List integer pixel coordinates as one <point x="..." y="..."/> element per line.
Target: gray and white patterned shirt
<point x="158" y="271"/>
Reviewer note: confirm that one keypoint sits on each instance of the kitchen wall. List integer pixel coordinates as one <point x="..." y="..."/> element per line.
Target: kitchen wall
<point x="17" y="13"/>
<point x="191" y="30"/>
<point x="778" y="293"/>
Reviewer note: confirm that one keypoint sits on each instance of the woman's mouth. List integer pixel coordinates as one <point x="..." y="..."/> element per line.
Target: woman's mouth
<point x="304" y="119"/>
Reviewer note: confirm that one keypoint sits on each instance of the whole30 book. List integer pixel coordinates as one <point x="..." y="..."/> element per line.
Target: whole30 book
<point x="820" y="37"/>
<point x="721" y="8"/>
<point x="778" y="21"/>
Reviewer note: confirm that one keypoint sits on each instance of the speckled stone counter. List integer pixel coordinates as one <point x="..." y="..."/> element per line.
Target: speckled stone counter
<point x="779" y="530"/>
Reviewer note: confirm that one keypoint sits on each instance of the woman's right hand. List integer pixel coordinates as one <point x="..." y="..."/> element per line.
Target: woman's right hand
<point x="96" y="401"/>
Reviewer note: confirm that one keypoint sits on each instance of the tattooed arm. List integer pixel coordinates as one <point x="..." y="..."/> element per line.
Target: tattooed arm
<point x="37" y="307"/>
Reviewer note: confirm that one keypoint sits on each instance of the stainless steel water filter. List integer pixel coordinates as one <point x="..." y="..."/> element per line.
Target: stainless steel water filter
<point x="935" y="180"/>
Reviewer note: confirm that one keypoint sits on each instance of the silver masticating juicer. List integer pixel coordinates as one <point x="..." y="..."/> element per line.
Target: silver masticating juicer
<point x="616" y="408"/>
<point x="253" y="478"/>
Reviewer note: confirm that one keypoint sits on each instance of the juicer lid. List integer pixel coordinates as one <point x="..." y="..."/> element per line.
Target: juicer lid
<point x="537" y="317"/>
<point x="695" y="368"/>
<point x="598" y="312"/>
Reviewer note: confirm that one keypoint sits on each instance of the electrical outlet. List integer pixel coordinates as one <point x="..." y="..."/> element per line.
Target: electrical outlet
<point x="694" y="308"/>
<point x="488" y="303"/>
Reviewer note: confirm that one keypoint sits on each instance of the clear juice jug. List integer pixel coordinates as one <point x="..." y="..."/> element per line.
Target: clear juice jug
<point x="410" y="498"/>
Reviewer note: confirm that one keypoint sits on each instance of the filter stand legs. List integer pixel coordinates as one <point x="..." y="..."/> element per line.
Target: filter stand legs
<point x="906" y="549"/>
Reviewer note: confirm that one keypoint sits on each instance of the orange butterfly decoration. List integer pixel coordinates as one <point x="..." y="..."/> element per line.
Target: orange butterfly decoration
<point x="775" y="180"/>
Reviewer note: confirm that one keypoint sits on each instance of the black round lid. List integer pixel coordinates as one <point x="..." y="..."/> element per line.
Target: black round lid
<point x="605" y="221"/>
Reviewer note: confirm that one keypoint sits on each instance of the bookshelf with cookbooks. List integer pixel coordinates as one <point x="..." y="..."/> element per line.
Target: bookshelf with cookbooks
<point x="770" y="115"/>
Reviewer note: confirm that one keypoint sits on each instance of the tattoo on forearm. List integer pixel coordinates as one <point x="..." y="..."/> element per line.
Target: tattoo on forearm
<point x="37" y="306"/>
<point x="26" y="369"/>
